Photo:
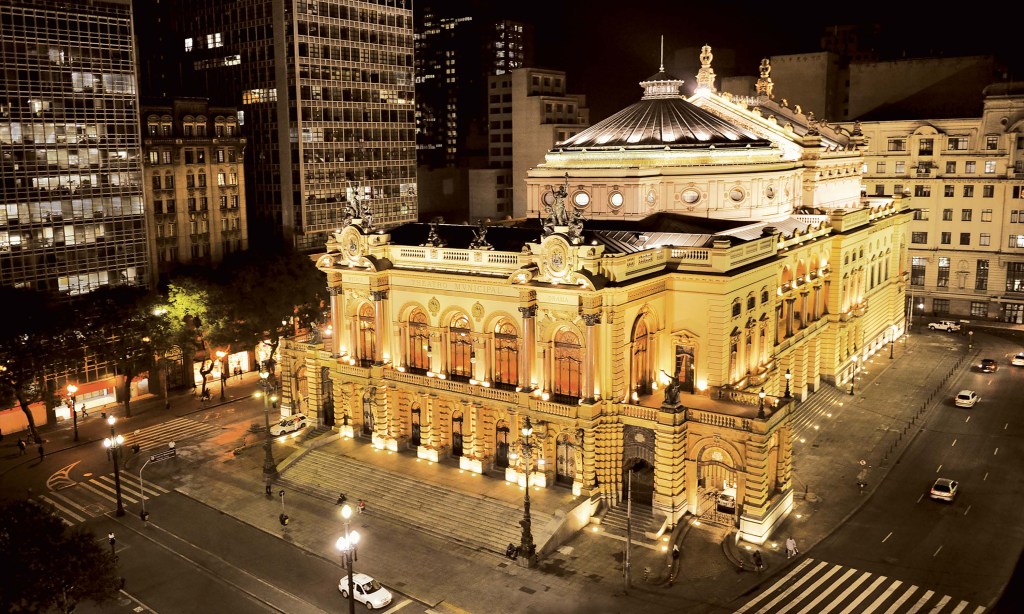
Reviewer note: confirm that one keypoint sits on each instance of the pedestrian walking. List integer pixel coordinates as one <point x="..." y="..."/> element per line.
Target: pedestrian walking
<point x="758" y="561"/>
<point x="675" y="552"/>
<point x="42" y="452"/>
<point x="21" y="446"/>
<point x="791" y="549"/>
<point x="85" y="414"/>
<point x="361" y="505"/>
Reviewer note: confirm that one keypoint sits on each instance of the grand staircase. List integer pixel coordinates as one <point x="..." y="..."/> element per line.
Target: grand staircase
<point x="476" y="521"/>
<point x="643" y="526"/>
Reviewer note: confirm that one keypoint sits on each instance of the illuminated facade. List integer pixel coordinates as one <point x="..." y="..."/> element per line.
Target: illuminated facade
<point x="967" y="180"/>
<point x="195" y="184"/>
<point x="69" y="135"/>
<point x="326" y="94"/>
<point x="680" y="260"/>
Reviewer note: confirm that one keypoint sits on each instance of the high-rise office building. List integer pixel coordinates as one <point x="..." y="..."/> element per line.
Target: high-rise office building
<point x="70" y="178"/>
<point x="326" y="97"/>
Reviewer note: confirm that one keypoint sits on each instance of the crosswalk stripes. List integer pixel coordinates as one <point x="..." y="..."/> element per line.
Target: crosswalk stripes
<point x="820" y="587"/>
<point x="176" y="430"/>
<point x="83" y="500"/>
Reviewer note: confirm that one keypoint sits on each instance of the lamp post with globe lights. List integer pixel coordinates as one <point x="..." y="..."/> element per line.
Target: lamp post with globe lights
<point x="346" y="544"/>
<point x="72" y="389"/>
<point x="527" y="548"/>
<point x="113" y="443"/>
<point x="269" y="394"/>
<point x="789" y="376"/>
<point x="760" y="404"/>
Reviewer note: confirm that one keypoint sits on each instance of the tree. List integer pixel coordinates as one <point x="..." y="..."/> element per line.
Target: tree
<point x="50" y="565"/>
<point x="268" y="295"/>
<point x="197" y="319"/>
<point x="37" y="338"/>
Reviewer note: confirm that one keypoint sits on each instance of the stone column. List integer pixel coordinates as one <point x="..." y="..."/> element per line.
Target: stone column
<point x="337" y="321"/>
<point x="526" y="375"/>
<point x="590" y="362"/>
<point x="378" y="297"/>
<point x="789" y="316"/>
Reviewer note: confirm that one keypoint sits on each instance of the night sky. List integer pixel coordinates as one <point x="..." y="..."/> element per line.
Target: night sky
<point x="607" y="47"/>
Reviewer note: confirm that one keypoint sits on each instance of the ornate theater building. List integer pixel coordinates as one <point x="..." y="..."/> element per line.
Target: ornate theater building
<point x="688" y="270"/>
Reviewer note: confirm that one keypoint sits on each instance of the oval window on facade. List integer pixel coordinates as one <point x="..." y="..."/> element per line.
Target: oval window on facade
<point x="770" y="192"/>
<point x="690" y="195"/>
<point x="548" y="198"/>
<point x="615" y="199"/>
<point x="581" y="199"/>
<point x="736" y="194"/>
<point x="652" y="197"/>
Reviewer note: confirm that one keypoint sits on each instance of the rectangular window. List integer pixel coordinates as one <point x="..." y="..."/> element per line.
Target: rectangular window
<point x="879" y="189"/>
<point x="965" y="238"/>
<point x="880" y="168"/>
<point x="1015" y="277"/>
<point x="1014" y="216"/>
<point x="920" y="214"/>
<point x="988" y="191"/>
<point x="925" y="147"/>
<point x="981" y="275"/>
<point x="190" y="156"/>
<point x="897" y="144"/>
<point x="968" y="191"/>
<point x="979" y="309"/>
<point x="917" y="270"/>
<point x="946" y="238"/>
<point x="957" y="143"/>
<point x="1018" y="191"/>
<point x="154" y="157"/>
<point x="897" y="189"/>
<point x="1015" y="241"/>
<point x="943" y="279"/>
<point x="991" y="143"/>
<point x="165" y="157"/>
<point x="901" y="167"/>
<point x="919" y="237"/>
<point x="965" y="215"/>
<point x="922" y="190"/>
<point x="951" y="167"/>
<point x="986" y="215"/>
<point x="156" y="182"/>
<point x="985" y="239"/>
<point x="990" y="167"/>
<point x="940" y="306"/>
<point x="947" y="191"/>
<point x="201" y="156"/>
<point x="947" y="215"/>
<point x="970" y="168"/>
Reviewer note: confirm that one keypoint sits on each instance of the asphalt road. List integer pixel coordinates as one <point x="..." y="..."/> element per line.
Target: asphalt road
<point x="966" y="549"/>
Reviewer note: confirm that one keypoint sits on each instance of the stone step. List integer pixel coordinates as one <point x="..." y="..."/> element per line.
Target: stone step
<point x="476" y="521"/>
<point x="614" y="520"/>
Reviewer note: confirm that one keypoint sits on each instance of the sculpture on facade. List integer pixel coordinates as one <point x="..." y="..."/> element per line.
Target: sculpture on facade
<point x="557" y="214"/>
<point x="671" y="391"/>
<point x="434" y="239"/>
<point x="480" y="238"/>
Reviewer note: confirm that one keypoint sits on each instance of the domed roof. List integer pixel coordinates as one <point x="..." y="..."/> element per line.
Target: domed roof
<point x="662" y="118"/>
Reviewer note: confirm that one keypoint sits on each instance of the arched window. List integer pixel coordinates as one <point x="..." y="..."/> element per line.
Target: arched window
<point x="460" y="346"/>
<point x="190" y="180"/>
<point x="764" y="296"/>
<point x="641" y="358"/>
<point x="736" y="308"/>
<point x="418" y="352"/>
<point x="751" y="302"/>
<point x="202" y="178"/>
<point x="367" y="334"/>
<point x="506" y="356"/>
<point x="568" y="361"/>
<point x="168" y="181"/>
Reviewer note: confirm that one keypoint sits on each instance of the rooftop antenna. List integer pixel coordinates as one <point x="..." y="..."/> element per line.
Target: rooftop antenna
<point x="661" y="67"/>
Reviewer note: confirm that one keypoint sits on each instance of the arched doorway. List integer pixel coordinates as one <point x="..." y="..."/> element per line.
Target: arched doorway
<point x="367" y="430"/>
<point x="501" y="445"/>
<point x="457" y="434"/>
<point x="638" y="481"/>
<point x="414" y="427"/>
<point x="565" y="460"/>
<point x="717" y="499"/>
<point x="327" y="397"/>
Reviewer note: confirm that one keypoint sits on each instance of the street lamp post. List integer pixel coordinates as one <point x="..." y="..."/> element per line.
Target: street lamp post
<point x="72" y="389"/>
<point x="527" y="549"/>
<point x="760" y="404"/>
<point x="220" y="358"/>
<point x="346" y="544"/>
<point x="892" y="340"/>
<point x="269" y="396"/>
<point x="853" y="378"/>
<point x="789" y="376"/>
<point x="970" y="340"/>
<point x="113" y="443"/>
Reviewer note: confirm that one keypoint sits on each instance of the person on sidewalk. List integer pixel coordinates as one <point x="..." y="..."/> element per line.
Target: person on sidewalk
<point x="21" y="446"/>
<point x="361" y="505"/>
<point x="758" y="561"/>
<point x="791" y="549"/>
<point x="341" y="499"/>
<point x="42" y="453"/>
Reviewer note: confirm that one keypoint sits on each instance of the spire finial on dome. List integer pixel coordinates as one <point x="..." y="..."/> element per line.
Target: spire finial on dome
<point x="764" y="84"/>
<point x="706" y="76"/>
<point x="661" y="65"/>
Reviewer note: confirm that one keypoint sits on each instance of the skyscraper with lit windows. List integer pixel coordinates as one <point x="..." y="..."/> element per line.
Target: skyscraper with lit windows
<point x="70" y="178"/>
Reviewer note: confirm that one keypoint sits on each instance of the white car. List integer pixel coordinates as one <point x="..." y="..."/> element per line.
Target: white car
<point x="1018" y="360"/>
<point x="946" y="325"/>
<point x="368" y="591"/>
<point x="966" y="398"/>
<point x="289" y="425"/>
<point x="944" y="489"/>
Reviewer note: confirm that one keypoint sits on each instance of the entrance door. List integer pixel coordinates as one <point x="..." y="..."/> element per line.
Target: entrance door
<point x="457" y="435"/>
<point x="642" y="482"/>
<point x="501" y="446"/>
<point x="565" y="461"/>
<point x="414" y="437"/>
<point x="367" y="430"/>
<point x="327" y="394"/>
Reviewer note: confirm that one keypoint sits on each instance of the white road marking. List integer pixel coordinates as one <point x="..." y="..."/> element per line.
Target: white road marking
<point x="920" y="602"/>
<point x="62" y="508"/>
<point x="968" y="419"/>
<point x="887" y="536"/>
<point x="986" y="477"/>
<point x="856" y="602"/>
<point x="825" y="593"/>
<point x="939" y="469"/>
<point x="399" y="606"/>
<point x="996" y="452"/>
<point x="779" y="584"/>
<point x="941" y="604"/>
<point x="899" y="602"/>
<point x="921" y="497"/>
<point x="844" y="594"/>
<point x="954" y="444"/>
<point x="937" y="551"/>
<point x="967" y="510"/>
<point x="960" y="607"/>
<point x="889" y="591"/>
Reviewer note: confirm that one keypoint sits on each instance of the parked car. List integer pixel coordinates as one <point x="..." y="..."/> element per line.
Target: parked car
<point x="290" y="424"/>
<point x="988" y="365"/>
<point x="1018" y="360"/>
<point x="966" y="398"/>
<point x="368" y="591"/>
<point x="946" y="325"/>
<point x="944" y="489"/>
